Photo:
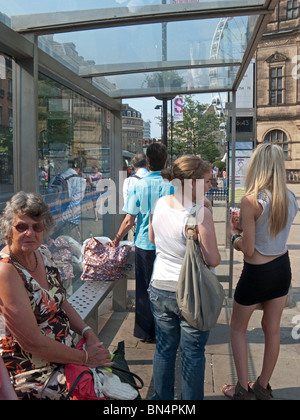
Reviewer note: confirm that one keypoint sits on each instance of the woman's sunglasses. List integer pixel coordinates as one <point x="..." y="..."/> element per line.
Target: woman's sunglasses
<point x="23" y="227"/>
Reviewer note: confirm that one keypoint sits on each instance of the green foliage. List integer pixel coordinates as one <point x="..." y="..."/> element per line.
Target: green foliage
<point x="219" y="164"/>
<point x="58" y="122"/>
<point x="196" y="134"/>
<point x="164" y="79"/>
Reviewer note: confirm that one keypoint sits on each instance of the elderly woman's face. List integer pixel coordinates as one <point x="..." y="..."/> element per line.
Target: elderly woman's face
<point x="26" y="234"/>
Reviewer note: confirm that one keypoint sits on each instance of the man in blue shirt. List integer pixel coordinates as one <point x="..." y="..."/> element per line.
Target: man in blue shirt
<point x="139" y="204"/>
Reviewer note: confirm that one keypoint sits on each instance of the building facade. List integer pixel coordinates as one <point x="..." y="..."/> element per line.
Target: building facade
<point x="147" y="130"/>
<point x="278" y="84"/>
<point x="132" y="129"/>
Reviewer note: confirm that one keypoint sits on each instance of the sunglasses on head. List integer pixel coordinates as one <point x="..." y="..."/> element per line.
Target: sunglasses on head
<point x="23" y="227"/>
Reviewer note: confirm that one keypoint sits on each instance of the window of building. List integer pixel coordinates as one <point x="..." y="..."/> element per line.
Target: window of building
<point x="292" y="9"/>
<point x="1" y="88"/>
<point x="276" y="86"/>
<point x="280" y="138"/>
<point x="9" y="89"/>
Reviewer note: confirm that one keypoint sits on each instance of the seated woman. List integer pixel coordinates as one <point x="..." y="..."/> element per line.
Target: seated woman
<point x="37" y="343"/>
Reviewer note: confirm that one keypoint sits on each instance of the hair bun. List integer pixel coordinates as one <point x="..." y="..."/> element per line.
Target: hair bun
<point x="167" y="173"/>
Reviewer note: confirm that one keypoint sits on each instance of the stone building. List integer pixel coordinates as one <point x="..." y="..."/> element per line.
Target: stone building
<point x="132" y="129"/>
<point x="278" y="84"/>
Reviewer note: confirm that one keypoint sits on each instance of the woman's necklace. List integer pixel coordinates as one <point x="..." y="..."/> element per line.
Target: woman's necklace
<point x="14" y="258"/>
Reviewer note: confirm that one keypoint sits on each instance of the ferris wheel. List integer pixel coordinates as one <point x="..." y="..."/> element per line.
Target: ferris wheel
<point x="229" y="42"/>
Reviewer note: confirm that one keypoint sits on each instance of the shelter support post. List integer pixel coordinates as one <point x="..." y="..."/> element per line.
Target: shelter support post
<point x="232" y="183"/>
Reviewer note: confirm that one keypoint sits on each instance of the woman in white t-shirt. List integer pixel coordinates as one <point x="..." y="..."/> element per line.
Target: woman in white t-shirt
<point x="192" y="176"/>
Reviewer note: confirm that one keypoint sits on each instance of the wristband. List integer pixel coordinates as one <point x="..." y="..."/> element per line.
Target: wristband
<point x="236" y="243"/>
<point x="235" y="237"/>
<point x="85" y="329"/>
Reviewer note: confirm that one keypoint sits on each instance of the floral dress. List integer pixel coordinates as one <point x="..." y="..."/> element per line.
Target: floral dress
<point x="33" y="377"/>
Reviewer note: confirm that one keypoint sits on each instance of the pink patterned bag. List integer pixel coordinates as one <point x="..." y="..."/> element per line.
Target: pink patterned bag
<point x="103" y="262"/>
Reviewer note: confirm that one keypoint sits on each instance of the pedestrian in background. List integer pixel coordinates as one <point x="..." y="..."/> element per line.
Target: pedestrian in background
<point x="139" y="204"/>
<point x="139" y="165"/>
<point x="73" y="194"/>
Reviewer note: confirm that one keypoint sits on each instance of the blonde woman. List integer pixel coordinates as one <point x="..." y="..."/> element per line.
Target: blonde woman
<point x="267" y="212"/>
<point x="167" y="232"/>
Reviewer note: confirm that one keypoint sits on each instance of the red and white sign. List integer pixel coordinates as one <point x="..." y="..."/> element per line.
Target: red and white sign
<point x="178" y="109"/>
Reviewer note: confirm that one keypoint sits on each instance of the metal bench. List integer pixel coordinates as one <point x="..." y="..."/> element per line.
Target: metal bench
<point x="87" y="299"/>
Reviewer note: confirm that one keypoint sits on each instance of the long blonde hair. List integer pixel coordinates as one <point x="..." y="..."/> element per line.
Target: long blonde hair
<point x="266" y="171"/>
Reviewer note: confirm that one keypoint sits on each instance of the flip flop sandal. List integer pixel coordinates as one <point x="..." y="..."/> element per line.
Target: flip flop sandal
<point x="226" y="388"/>
<point x="240" y="393"/>
<point x="262" y="393"/>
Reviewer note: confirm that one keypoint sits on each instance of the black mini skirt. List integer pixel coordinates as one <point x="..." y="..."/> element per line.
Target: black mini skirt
<point x="259" y="283"/>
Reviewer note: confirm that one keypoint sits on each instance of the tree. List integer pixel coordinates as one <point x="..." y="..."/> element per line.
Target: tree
<point x="197" y="133"/>
<point x="56" y="124"/>
<point x="164" y="79"/>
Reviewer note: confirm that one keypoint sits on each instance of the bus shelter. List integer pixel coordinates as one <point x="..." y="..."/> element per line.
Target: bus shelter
<point x="113" y="50"/>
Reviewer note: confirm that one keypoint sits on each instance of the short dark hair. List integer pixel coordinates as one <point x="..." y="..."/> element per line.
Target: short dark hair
<point x="157" y="155"/>
<point x="139" y="161"/>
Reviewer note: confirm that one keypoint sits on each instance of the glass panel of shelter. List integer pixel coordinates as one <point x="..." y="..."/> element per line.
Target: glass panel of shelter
<point x="73" y="133"/>
<point x="6" y="130"/>
<point x="19" y="7"/>
<point x="200" y="43"/>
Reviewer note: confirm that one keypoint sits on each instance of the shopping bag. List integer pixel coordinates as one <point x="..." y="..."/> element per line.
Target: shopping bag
<point x="103" y="262"/>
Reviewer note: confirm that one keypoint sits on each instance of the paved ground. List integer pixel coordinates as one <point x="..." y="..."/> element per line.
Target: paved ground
<point x="219" y="362"/>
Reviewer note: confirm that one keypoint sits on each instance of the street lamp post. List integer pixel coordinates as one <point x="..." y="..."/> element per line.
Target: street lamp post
<point x="161" y="118"/>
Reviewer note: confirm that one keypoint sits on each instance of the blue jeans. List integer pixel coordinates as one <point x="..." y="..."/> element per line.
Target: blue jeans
<point x="171" y="330"/>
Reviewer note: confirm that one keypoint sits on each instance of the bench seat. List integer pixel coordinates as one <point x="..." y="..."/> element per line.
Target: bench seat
<point x="87" y="299"/>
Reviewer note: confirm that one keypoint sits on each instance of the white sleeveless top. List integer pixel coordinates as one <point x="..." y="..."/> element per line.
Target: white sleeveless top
<point x="170" y="241"/>
<point x="277" y="245"/>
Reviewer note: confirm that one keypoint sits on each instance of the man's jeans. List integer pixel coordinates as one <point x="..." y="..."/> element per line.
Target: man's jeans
<point x="170" y="330"/>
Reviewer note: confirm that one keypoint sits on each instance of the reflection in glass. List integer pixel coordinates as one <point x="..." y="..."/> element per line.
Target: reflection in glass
<point x="74" y="159"/>
<point x="197" y="42"/>
<point x="6" y="130"/>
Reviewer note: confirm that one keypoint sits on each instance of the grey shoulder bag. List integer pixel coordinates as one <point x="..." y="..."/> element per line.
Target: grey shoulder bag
<point x="200" y="295"/>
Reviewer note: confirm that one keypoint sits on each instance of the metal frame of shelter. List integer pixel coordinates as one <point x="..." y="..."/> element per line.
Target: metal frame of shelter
<point x="21" y="42"/>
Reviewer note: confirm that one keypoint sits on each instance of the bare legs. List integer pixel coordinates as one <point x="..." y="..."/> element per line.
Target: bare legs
<point x="272" y="312"/>
<point x="238" y="327"/>
<point x="271" y="328"/>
